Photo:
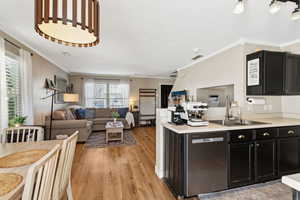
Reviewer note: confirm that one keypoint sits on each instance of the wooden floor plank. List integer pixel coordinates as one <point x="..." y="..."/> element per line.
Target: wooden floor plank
<point x="119" y="173"/>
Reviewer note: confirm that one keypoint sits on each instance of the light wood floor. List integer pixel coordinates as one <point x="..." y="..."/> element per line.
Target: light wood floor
<point x="119" y="173"/>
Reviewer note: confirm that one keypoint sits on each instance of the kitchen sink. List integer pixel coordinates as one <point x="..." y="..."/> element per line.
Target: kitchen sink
<point x="236" y="122"/>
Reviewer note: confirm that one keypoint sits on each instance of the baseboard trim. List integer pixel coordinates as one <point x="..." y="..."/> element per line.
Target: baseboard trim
<point x="159" y="172"/>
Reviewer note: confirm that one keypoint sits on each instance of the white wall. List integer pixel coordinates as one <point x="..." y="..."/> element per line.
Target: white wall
<point x="291" y="104"/>
<point x="228" y="67"/>
<point x="41" y="69"/>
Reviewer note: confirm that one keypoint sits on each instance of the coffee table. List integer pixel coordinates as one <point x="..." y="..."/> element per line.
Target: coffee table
<point x="114" y="131"/>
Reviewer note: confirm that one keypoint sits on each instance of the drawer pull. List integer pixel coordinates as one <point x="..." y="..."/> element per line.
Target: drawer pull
<point x="257" y="145"/>
<point x="291" y="132"/>
<point x="241" y="137"/>
<point x="266" y="134"/>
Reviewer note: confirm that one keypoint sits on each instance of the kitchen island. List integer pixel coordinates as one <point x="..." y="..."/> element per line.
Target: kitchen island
<point x="199" y="160"/>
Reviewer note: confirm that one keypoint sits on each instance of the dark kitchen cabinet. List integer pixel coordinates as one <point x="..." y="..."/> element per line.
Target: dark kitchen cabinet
<point x="265" y="160"/>
<point x="288" y="155"/>
<point x="292" y="75"/>
<point x="240" y="164"/>
<point x="174" y="161"/>
<point x="278" y="73"/>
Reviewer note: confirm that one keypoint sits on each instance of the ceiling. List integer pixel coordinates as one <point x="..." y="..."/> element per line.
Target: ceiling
<point x="154" y="37"/>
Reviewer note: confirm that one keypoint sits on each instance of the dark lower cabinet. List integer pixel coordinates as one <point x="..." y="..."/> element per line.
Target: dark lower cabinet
<point x="174" y="161"/>
<point x="288" y="155"/>
<point x="265" y="160"/>
<point x="252" y="161"/>
<point x="241" y="164"/>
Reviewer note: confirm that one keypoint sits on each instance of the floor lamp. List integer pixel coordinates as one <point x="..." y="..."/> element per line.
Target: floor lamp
<point x="68" y="98"/>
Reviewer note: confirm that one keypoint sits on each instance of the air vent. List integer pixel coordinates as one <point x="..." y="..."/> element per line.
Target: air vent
<point x="197" y="57"/>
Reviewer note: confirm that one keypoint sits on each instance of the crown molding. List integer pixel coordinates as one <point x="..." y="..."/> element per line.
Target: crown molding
<point x="289" y="43"/>
<point x="241" y="41"/>
<point x="13" y="36"/>
<point x="234" y="44"/>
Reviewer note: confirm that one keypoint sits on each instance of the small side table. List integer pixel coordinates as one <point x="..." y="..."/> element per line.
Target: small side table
<point x="114" y="131"/>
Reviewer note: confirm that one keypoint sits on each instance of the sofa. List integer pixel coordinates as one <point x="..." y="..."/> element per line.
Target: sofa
<point x="65" y="122"/>
<point x="100" y="116"/>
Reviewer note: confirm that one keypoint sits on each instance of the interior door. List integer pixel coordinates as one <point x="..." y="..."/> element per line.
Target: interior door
<point x="165" y="92"/>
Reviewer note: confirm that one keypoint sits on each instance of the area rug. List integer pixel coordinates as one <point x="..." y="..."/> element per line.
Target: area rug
<point x="98" y="140"/>
<point x="266" y="191"/>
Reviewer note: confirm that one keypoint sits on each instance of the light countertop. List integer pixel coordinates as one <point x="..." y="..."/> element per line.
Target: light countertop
<point x="292" y="181"/>
<point x="271" y="122"/>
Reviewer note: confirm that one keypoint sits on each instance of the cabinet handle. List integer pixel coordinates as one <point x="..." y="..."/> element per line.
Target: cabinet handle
<point x="241" y="137"/>
<point x="257" y="145"/>
<point x="266" y="134"/>
<point x="290" y="132"/>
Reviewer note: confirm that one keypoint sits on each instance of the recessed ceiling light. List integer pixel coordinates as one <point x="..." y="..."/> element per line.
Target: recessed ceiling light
<point x="275" y="6"/>
<point x="239" y="7"/>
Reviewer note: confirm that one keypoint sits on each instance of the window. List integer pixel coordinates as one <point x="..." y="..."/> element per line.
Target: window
<point x="13" y="85"/>
<point x="106" y="94"/>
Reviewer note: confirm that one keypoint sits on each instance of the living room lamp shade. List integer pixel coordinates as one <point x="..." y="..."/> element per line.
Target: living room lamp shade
<point x="69" y="22"/>
<point x="71" y="98"/>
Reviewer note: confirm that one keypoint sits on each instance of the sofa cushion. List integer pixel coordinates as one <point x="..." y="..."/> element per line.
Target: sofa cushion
<point x="80" y="113"/>
<point x="104" y="112"/>
<point x="90" y="113"/>
<point x="102" y="120"/>
<point x="59" y="115"/>
<point x="122" y="112"/>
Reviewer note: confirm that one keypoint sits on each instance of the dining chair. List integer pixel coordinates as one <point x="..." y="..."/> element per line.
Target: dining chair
<point x="40" y="177"/>
<point x="62" y="183"/>
<point x="22" y="134"/>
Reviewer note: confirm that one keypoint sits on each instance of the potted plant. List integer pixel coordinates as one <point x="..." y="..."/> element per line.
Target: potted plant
<point x="115" y="116"/>
<point x="17" y="121"/>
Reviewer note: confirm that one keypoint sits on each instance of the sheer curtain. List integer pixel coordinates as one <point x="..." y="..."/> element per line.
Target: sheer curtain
<point x="26" y="85"/>
<point x="106" y="93"/>
<point x="3" y="91"/>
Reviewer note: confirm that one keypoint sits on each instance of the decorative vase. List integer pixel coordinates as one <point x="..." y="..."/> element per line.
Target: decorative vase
<point x="115" y="120"/>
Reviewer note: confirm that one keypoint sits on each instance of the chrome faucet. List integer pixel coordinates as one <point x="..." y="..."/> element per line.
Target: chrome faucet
<point x="228" y="107"/>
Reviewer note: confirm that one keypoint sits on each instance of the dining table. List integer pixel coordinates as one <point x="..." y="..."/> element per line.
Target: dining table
<point x="11" y="148"/>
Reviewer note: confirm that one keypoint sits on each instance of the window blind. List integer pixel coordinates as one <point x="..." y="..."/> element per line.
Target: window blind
<point x="106" y="94"/>
<point x="13" y="85"/>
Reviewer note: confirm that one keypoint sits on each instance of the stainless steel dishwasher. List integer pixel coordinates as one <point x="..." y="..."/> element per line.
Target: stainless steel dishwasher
<point x="206" y="163"/>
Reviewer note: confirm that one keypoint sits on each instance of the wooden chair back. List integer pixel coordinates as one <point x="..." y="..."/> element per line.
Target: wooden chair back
<point x="22" y="134"/>
<point x="62" y="179"/>
<point x="40" y="177"/>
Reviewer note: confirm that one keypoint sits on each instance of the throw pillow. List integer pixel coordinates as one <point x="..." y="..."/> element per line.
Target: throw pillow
<point x="73" y="112"/>
<point x="80" y="113"/>
<point x="69" y="115"/>
<point x="122" y="112"/>
<point x="59" y="115"/>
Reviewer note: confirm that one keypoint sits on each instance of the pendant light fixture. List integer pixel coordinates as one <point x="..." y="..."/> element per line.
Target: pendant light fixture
<point x="69" y="22"/>
<point x="275" y="6"/>
<point x="239" y="7"/>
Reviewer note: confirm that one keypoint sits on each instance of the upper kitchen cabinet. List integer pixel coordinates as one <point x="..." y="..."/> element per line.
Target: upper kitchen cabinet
<point x="273" y="73"/>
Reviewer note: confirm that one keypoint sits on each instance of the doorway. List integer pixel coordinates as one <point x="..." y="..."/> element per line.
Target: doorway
<point x="165" y="92"/>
